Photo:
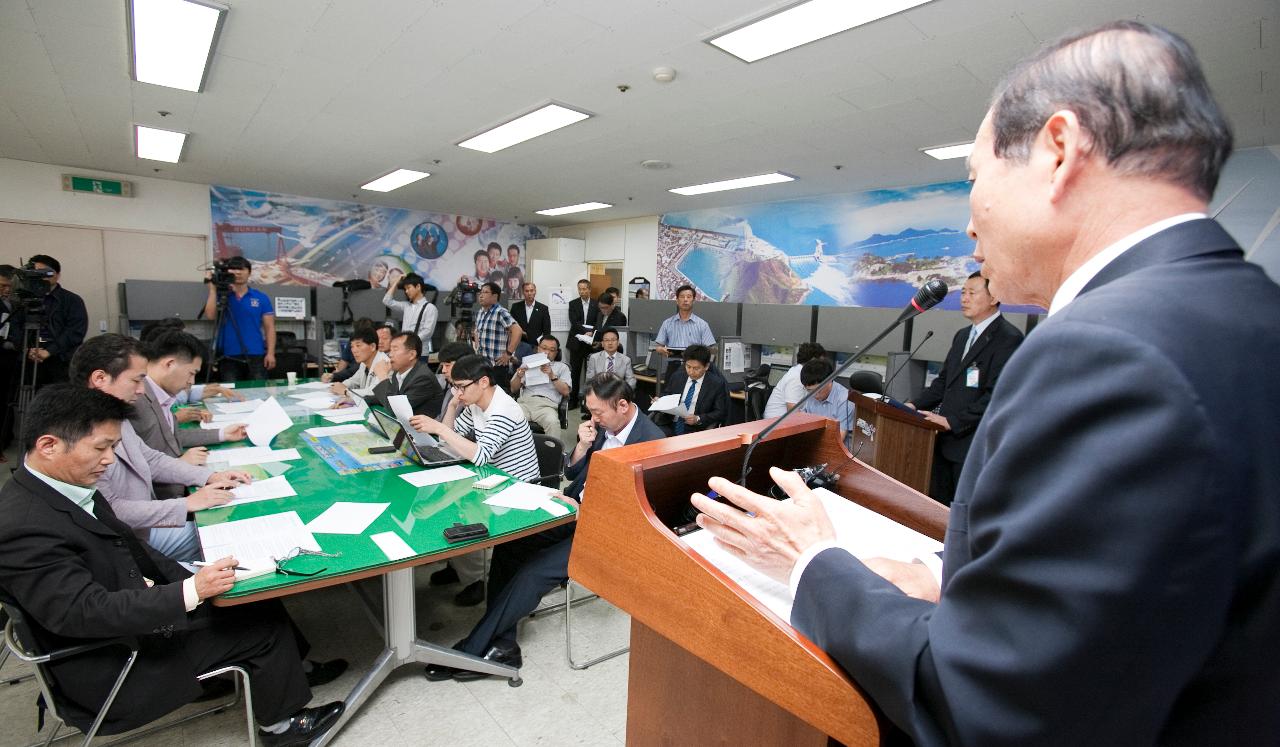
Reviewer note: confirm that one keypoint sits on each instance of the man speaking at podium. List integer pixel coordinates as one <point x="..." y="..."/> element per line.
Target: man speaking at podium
<point x="1112" y="564"/>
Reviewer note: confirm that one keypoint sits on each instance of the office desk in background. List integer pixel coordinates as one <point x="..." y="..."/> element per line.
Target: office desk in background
<point x="419" y="516"/>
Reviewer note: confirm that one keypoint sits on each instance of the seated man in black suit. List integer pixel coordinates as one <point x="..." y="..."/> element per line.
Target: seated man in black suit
<point x="702" y="391"/>
<point x="524" y="570"/>
<point x="80" y="575"/>
<point x="410" y="377"/>
<point x="963" y="388"/>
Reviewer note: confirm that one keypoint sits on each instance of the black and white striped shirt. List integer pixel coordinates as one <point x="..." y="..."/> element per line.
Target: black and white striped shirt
<point x="502" y="436"/>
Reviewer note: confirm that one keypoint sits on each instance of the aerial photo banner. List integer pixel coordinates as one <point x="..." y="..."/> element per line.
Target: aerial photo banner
<point x="308" y="241"/>
<point x="858" y="249"/>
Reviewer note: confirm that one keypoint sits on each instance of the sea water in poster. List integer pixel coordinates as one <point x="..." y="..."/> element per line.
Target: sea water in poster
<point x="308" y="241"/>
<point x="860" y="249"/>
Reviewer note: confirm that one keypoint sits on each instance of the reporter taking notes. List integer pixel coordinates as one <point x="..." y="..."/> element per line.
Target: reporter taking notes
<point x="1110" y="569"/>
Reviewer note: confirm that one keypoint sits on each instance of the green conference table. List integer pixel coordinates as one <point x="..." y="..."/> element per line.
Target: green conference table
<point x="418" y="515"/>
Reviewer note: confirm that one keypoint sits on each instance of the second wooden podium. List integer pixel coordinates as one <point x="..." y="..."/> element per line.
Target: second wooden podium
<point x="709" y="663"/>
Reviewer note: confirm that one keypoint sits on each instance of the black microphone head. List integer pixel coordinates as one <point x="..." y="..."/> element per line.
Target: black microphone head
<point x="930" y="294"/>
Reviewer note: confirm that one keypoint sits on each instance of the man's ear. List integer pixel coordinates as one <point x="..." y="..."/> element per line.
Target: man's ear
<point x="1061" y="150"/>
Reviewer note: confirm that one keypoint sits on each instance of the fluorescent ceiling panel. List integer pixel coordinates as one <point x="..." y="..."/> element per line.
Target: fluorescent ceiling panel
<point x="580" y="208"/>
<point x="159" y="145"/>
<point x="537" y="122"/>
<point x="742" y="183"/>
<point x="804" y="23"/>
<point x="945" y="152"/>
<point x="395" y="180"/>
<point x="171" y="41"/>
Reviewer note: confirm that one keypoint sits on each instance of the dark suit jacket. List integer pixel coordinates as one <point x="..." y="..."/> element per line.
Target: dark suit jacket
<point x="78" y="579"/>
<point x="643" y="430"/>
<point x="964" y="405"/>
<point x="536" y="327"/>
<point x="419" y="385"/>
<point x="713" y="399"/>
<point x="66" y="323"/>
<point x="1112" y="565"/>
<point x="616" y="319"/>
<point x="576" y="320"/>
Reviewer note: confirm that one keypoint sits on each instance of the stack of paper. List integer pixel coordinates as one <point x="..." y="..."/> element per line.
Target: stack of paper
<point x="670" y="404"/>
<point x="528" y="497"/>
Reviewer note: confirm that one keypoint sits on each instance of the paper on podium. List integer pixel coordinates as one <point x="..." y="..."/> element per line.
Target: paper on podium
<point x="669" y="404"/>
<point x="267" y="422"/>
<point x="256" y="542"/>
<point x="861" y="531"/>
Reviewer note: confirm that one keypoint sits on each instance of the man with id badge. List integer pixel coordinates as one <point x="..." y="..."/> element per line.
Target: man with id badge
<point x="962" y="389"/>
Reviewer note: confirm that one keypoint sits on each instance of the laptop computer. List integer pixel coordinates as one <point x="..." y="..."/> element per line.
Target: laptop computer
<point x="421" y="448"/>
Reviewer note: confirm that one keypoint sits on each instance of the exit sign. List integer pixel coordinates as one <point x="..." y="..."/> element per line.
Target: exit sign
<point x="72" y="183"/>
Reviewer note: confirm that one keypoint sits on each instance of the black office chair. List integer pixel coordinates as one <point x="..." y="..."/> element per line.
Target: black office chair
<point x="550" y="460"/>
<point x="289" y="341"/>
<point x="757" y="397"/>
<point x="867" y="382"/>
<point x="19" y="639"/>
<point x="288" y="360"/>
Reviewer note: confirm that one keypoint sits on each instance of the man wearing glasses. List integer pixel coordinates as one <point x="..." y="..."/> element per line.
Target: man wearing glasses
<point x="497" y="334"/>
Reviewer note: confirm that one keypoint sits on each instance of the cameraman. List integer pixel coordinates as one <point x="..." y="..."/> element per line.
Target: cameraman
<point x="246" y="338"/>
<point x="63" y="324"/>
<point x="10" y="344"/>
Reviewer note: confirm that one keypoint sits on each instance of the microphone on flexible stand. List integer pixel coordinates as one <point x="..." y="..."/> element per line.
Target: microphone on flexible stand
<point x="928" y="296"/>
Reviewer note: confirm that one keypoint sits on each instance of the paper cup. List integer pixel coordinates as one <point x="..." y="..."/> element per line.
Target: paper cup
<point x="292" y="376"/>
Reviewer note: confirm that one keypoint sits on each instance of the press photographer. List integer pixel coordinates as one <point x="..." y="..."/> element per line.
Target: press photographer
<point x="245" y="340"/>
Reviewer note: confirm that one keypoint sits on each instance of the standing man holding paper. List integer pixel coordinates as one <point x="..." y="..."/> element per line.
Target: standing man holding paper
<point x="540" y="390"/>
<point x="704" y="394"/>
<point x="579" y="312"/>
<point x="1110" y="572"/>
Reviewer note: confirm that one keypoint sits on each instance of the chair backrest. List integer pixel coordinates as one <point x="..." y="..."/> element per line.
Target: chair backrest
<point x="550" y="459"/>
<point x="867" y="382"/>
<point x="288" y="360"/>
<point x="757" y="398"/>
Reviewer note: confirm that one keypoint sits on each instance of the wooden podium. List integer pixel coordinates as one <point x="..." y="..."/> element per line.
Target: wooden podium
<point x="902" y="447"/>
<point x="709" y="663"/>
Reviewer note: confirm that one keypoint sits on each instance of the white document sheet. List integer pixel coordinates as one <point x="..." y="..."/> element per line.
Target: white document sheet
<point x="335" y="430"/>
<point x="401" y="408"/>
<point x="526" y="496"/>
<point x="346" y="518"/>
<point x="257" y="457"/>
<point x="312" y="395"/>
<point x="267" y="422"/>
<point x="585" y="339"/>
<point x="324" y="386"/>
<point x="317" y="403"/>
<point x="255" y="542"/>
<point x="248" y="405"/>
<point x="861" y="531"/>
<point x="533" y="374"/>
<point x="438" y="475"/>
<point x="214" y="425"/>
<point x="250" y="452"/>
<point x="392" y="545"/>
<point x="262" y="490"/>
<point x="669" y="404"/>
<point x="344" y="415"/>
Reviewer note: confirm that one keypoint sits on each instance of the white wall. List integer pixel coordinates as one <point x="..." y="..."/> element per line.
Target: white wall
<point x="634" y="242"/>
<point x="32" y="192"/>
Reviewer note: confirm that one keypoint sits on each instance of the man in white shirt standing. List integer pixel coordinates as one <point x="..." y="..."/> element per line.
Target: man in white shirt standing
<point x="417" y="314"/>
<point x="540" y="401"/>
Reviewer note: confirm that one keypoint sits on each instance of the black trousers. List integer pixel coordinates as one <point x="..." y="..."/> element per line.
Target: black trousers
<point x="945" y="478"/>
<point x="578" y="354"/>
<point x="521" y="573"/>
<point x="241" y="368"/>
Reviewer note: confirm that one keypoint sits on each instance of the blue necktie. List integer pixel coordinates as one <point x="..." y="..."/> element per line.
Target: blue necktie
<point x="688" y="403"/>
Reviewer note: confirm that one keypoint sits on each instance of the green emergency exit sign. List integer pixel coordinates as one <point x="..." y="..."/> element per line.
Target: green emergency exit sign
<point x="72" y="183"/>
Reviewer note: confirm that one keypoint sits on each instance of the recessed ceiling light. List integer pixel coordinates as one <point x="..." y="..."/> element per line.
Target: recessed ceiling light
<point x="158" y="145"/>
<point x="945" y="152"/>
<point x="171" y="41"/>
<point x="540" y="121"/>
<point x="742" y="183"/>
<point x="581" y="208"/>
<point x="395" y="180"/>
<point x="803" y="23"/>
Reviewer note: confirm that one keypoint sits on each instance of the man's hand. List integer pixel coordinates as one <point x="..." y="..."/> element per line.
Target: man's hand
<point x="196" y="455"/>
<point x="326" y="377"/>
<point x="214" y="493"/>
<point x="235" y="432"/>
<point x="339" y="389"/>
<point x="215" y="578"/>
<point x="566" y="500"/>
<point x="38" y="354"/>
<point x="937" y="419"/>
<point x="503" y="360"/>
<point x="587" y="432"/>
<point x="269" y="361"/>
<point x="393" y="278"/>
<point x="662" y="350"/>
<point x="778" y="533"/>
<point x="910" y="404"/>
<point x="192" y="415"/>
<point x="218" y="390"/>
<point x="425" y="424"/>
<point x="914" y="579"/>
<point x="692" y="419"/>
<point x="546" y="369"/>
<point x="382" y="369"/>
<point x="235" y="476"/>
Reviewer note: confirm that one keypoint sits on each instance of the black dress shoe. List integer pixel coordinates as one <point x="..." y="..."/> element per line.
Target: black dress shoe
<point x="304" y="726"/>
<point x="509" y="656"/>
<point x="444" y="576"/>
<point x="470" y="596"/>
<point x="439" y="672"/>
<point x="324" y="672"/>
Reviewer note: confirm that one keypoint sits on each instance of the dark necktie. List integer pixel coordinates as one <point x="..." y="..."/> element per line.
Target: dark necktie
<point x="688" y="404"/>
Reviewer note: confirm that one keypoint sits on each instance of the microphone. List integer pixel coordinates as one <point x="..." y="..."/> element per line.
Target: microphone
<point x="928" y="296"/>
<point x="903" y="364"/>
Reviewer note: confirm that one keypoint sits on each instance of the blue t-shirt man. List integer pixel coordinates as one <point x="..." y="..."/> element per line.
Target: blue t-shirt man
<point x="246" y="311"/>
<point x="245" y="342"/>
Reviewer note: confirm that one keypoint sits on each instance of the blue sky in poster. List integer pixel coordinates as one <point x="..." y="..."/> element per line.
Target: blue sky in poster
<point x="311" y="241"/>
<point x="857" y="249"/>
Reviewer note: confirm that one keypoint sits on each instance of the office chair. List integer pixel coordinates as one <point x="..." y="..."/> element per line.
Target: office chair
<point x="757" y="397"/>
<point x="867" y="382"/>
<point x="550" y="460"/>
<point x="17" y="638"/>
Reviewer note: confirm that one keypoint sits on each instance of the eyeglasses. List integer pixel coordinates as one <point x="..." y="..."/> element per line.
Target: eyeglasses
<point x="297" y="552"/>
<point x="460" y="388"/>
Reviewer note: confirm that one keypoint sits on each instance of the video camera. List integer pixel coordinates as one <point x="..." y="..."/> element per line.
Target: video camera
<point x="462" y="298"/>
<point x="220" y="275"/>
<point x="31" y="285"/>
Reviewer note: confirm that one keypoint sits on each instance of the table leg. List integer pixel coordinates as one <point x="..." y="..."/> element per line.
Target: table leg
<point x="404" y="647"/>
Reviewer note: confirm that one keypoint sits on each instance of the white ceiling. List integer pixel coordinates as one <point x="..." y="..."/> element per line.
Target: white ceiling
<point x="315" y="98"/>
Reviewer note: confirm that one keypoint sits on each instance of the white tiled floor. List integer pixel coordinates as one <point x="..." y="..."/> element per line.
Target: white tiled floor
<point x="555" y="706"/>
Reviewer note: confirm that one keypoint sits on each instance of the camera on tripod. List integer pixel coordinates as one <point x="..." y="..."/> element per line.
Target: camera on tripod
<point x="220" y="275"/>
<point x="31" y="285"/>
<point x="462" y="298"/>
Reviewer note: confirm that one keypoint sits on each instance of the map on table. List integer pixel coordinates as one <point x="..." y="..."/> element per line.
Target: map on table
<point x="348" y="453"/>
